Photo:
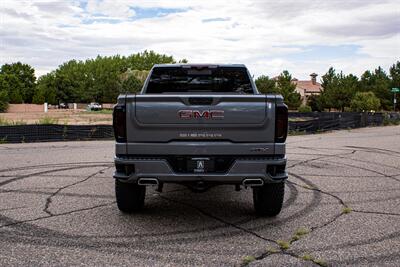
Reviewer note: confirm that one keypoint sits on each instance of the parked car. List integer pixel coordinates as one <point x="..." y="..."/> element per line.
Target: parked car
<point x="63" y="106"/>
<point x="94" y="106"/>
<point x="200" y="126"/>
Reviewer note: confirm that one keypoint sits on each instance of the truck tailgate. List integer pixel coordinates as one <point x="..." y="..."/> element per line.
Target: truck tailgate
<point x="235" y="118"/>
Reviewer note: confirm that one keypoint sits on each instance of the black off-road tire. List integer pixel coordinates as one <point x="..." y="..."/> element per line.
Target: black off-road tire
<point x="130" y="197"/>
<point x="268" y="199"/>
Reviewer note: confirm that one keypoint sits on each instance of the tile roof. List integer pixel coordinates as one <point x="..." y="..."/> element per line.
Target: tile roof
<point x="308" y="86"/>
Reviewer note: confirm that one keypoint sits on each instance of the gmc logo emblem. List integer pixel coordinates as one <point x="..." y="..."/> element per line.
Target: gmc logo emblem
<point x="205" y="114"/>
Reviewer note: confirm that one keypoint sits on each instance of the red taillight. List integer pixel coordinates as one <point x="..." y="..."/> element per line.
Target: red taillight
<point x="119" y="123"/>
<point x="281" y="123"/>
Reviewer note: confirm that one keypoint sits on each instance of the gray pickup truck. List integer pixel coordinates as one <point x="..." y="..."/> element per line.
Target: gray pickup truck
<point x="200" y="126"/>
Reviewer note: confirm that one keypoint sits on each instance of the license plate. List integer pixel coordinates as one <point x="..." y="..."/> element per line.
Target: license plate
<point x="200" y="165"/>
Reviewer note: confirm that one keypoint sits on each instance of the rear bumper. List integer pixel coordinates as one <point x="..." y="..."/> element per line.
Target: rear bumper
<point x="201" y="148"/>
<point x="160" y="169"/>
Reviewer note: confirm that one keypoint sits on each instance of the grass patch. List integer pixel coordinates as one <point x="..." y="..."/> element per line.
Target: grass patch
<point x="309" y="187"/>
<point x="47" y="120"/>
<point x="295" y="132"/>
<point x="283" y="244"/>
<point x="248" y="259"/>
<point x="5" y="122"/>
<point x="320" y="262"/>
<point x="300" y="119"/>
<point x="346" y="210"/>
<point x="3" y="140"/>
<point x="103" y="111"/>
<point x="295" y="238"/>
<point x="272" y="250"/>
<point x="20" y="122"/>
<point x="299" y="233"/>
<point x="308" y="257"/>
<point x="302" y="231"/>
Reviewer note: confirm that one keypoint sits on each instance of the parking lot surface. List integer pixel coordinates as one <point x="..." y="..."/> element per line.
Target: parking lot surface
<point x="342" y="207"/>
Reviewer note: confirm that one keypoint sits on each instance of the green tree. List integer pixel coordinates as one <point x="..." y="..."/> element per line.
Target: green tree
<point x="147" y="59"/>
<point x="141" y="75"/>
<point x="338" y="89"/>
<point x="103" y="78"/>
<point x="71" y="82"/>
<point x="21" y="79"/>
<point x="13" y="86"/>
<point x="348" y="87"/>
<point x="329" y="83"/>
<point x="265" y="85"/>
<point x="379" y="83"/>
<point x="4" y="89"/>
<point x="287" y="89"/>
<point x="3" y="100"/>
<point x="394" y="71"/>
<point x="100" y="79"/>
<point x="365" y="101"/>
<point x="46" y="90"/>
<point x="132" y="85"/>
<point x="315" y="102"/>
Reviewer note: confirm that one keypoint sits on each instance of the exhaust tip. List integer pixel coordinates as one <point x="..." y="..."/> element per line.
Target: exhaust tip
<point x="147" y="181"/>
<point x="253" y="182"/>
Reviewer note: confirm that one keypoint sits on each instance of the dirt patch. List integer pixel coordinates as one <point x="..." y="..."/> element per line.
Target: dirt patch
<point x="70" y="117"/>
<point x="22" y="108"/>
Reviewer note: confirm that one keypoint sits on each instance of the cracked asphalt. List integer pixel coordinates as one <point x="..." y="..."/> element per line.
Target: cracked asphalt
<point x="341" y="208"/>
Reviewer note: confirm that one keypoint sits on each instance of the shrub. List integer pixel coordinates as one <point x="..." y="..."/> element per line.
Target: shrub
<point x="304" y="108"/>
<point x="365" y="101"/>
<point x="315" y="102"/>
<point x="390" y="121"/>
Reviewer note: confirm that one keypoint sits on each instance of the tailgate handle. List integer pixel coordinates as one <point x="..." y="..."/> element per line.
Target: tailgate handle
<point x="200" y="100"/>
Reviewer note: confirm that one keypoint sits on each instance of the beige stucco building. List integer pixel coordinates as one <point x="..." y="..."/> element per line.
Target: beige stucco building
<point x="308" y="87"/>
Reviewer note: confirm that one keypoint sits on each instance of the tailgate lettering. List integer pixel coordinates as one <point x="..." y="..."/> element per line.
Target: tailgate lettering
<point x="196" y="114"/>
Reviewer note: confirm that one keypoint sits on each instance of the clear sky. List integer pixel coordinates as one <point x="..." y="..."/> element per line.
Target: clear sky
<point x="268" y="36"/>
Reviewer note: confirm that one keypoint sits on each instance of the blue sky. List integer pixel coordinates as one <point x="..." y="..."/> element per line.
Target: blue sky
<point x="268" y="36"/>
<point x="324" y="52"/>
<point x="138" y="14"/>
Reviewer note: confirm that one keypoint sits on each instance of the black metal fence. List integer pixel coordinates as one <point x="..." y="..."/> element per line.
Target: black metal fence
<point x="298" y="122"/>
<point x="313" y="122"/>
<point x="44" y="133"/>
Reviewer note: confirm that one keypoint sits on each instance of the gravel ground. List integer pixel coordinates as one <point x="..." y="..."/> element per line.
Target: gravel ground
<point x="341" y="208"/>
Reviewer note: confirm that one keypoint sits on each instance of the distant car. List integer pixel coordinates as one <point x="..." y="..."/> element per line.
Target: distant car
<point x="63" y="106"/>
<point x="94" y="106"/>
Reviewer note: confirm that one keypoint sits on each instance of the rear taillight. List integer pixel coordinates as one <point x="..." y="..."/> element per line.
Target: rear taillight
<point x="119" y="123"/>
<point x="281" y="123"/>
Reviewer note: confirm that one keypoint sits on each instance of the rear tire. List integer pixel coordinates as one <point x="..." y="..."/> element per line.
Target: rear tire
<point x="130" y="197"/>
<point x="268" y="199"/>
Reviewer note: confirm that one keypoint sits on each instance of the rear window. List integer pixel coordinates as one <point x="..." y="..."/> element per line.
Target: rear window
<point x="199" y="80"/>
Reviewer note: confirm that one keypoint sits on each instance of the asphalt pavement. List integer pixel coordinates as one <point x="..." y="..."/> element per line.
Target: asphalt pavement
<point x="342" y="207"/>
